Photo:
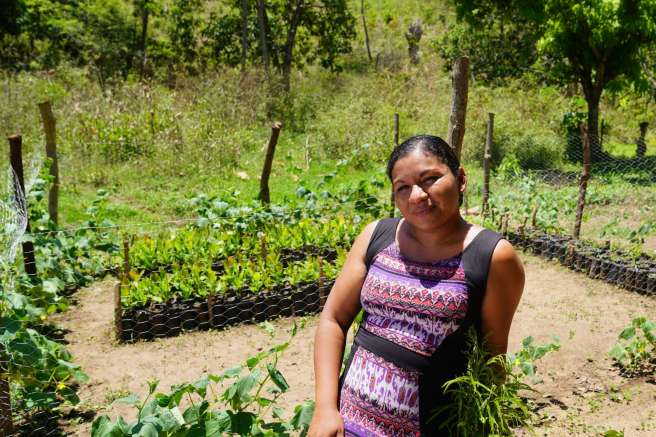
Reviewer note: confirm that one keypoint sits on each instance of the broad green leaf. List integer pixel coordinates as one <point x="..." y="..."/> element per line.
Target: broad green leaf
<point x="277" y="378"/>
<point x="130" y="399"/>
<point x="201" y="386"/>
<point x="628" y="333"/>
<point x="103" y="427"/>
<point x="241" y="423"/>
<point x="175" y="412"/>
<point x="148" y="430"/>
<point x="168" y="422"/>
<point x="218" y="425"/>
<point x="149" y="409"/>
<point x="302" y="417"/>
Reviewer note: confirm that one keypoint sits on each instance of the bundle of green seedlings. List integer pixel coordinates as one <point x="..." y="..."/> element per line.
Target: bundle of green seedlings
<point x="487" y="398"/>
<point x="243" y="401"/>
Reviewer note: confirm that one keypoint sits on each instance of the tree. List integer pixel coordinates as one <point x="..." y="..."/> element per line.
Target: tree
<point x="592" y="42"/>
<point x="601" y="42"/>
<point x="498" y="38"/>
<point x="283" y="34"/>
<point x="184" y="26"/>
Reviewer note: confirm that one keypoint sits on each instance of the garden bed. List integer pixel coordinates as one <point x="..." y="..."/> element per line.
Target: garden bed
<point x="169" y="319"/>
<point x="632" y="272"/>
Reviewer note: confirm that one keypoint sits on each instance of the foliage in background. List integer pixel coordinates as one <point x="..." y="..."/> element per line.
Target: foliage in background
<point x="498" y="38"/>
<point x="597" y="44"/>
<point x="242" y="401"/>
<point x="184" y="35"/>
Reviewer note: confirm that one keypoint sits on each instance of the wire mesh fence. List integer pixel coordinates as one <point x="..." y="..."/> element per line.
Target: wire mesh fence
<point x="594" y="214"/>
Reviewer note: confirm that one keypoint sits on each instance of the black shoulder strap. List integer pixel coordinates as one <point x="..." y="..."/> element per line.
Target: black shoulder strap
<point x="383" y="235"/>
<point x="477" y="257"/>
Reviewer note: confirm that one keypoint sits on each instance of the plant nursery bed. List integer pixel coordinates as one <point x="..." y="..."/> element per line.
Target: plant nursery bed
<point x="169" y="319"/>
<point x="634" y="273"/>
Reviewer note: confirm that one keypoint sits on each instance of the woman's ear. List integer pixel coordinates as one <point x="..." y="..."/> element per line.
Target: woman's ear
<point x="462" y="180"/>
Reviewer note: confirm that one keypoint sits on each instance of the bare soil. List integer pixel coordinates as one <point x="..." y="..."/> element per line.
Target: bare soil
<point x="580" y="392"/>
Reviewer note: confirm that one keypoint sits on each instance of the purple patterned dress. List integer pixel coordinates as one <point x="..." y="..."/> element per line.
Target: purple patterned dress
<point x="412" y="305"/>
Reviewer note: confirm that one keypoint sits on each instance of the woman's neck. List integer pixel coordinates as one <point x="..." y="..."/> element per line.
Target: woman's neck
<point x="449" y="232"/>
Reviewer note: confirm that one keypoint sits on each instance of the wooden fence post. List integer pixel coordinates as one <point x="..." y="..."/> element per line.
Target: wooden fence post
<point x="118" y="311"/>
<point x="322" y="285"/>
<point x="641" y="144"/>
<point x="126" y="259"/>
<point x="6" y="417"/>
<point x="504" y="224"/>
<point x="396" y="129"/>
<point x="534" y="215"/>
<point x="487" y="158"/>
<point x="264" y="195"/>
<point x="49" y="126"/>
<point x="16" y="160"/>
<point x="583" y="184"/>
<point x="396" y="143"/>
<point x="210" y="309"/>
<point x="263" y="247"/>
<point x="456" y="130"/>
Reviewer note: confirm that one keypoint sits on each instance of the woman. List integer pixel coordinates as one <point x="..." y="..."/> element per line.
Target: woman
<point x="423" y="280"/>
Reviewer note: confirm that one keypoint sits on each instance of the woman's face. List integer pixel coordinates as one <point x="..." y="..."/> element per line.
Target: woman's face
<point x="425" y="190"/>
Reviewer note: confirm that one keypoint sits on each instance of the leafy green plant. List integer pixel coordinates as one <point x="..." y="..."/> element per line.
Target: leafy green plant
<point x="240" y="401"/>
<point x="41" y="372"/>
<point x="635" y="350"/>
<point x="526" y="357"/>
<point x="484" y="402"/>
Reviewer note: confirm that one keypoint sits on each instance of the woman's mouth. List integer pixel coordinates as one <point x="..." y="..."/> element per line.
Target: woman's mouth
<point x="422" y="210"/>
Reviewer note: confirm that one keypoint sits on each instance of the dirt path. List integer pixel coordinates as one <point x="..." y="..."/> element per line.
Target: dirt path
<point x="585" y="395"/>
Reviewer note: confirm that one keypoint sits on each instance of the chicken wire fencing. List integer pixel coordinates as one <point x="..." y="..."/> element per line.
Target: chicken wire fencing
<point x="594" y="212"/>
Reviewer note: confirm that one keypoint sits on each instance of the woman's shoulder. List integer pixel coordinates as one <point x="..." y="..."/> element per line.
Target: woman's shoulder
<point x="489" y="244"/>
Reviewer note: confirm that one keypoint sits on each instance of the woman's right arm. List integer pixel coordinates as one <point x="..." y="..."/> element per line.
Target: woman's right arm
<point x="341" y="307"/>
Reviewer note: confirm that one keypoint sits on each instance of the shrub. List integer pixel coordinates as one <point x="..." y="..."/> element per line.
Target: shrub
<point x="534" y="150"/>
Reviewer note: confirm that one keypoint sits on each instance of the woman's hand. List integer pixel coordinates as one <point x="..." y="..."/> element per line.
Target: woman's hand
<point x="326" y="423"/>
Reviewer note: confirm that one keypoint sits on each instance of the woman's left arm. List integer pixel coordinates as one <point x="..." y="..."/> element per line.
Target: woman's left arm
<point x="505" y="285"/>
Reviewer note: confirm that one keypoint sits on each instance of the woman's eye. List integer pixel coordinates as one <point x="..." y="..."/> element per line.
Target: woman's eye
<point x="401" y="188"/>
<point x="431" y="179"/>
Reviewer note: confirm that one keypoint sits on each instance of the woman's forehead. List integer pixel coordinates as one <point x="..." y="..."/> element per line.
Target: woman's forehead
<point x="417" y="162"/>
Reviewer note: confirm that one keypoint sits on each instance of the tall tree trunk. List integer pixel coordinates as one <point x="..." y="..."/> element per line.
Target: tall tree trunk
<point x="262" y="21"/>
<point x="592" y="91"/>
<point x="289" y="45"/>
<point x="142" y="42"/>
<point x="244" y="33"/>
<point x="366" y="32"/>
<point x="592" y="98"/>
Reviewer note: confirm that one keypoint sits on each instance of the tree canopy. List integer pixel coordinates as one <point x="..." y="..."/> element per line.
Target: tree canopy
<point x="114" y="35"/>
<point x="591" y="42"/>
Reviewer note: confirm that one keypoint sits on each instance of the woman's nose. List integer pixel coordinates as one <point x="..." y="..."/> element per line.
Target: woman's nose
<point x="418" y="194"/>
